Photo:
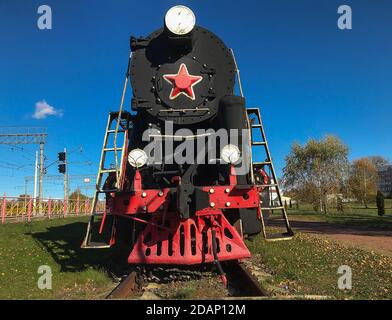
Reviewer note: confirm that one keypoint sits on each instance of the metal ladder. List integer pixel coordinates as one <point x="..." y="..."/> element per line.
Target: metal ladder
<point x="268" y="162"/>
<point x="123" y="122"/>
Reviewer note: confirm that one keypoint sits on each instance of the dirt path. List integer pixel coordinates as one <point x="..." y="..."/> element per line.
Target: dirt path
<point x="357" y="236"/>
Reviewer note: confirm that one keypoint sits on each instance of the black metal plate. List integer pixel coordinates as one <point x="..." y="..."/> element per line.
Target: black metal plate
<point x="209" y="57"/>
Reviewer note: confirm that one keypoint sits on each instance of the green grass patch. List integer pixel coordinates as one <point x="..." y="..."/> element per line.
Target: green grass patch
<point x="77" y="273"/>
<point x="354" y="214"/>
<point x="308" y="265"/>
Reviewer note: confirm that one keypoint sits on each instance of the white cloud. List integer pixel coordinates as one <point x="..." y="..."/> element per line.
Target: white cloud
<point x="43" y="110"/>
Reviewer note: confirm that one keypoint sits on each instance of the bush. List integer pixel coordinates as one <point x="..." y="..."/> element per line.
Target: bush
<point x="380" y="203"/>
<point x="339" y="204"/>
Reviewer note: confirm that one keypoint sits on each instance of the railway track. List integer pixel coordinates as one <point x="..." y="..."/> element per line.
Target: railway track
<point x="129" y="287"/>
<point x="241" y="283"/>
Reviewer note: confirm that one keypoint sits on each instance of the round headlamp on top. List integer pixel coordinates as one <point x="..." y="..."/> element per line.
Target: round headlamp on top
<point x="180" y="20"/>
<point x="230" y="153"/>
<point x="137" y="158"/>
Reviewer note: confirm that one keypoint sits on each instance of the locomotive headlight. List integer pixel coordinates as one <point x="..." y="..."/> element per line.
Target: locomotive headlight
<point x="230" y="153"/>
<point x="180" y="20"/>
<point x="137" y="158"/>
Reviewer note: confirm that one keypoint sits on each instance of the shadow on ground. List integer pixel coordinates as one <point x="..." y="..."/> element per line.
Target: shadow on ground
<point x="63" y="243"/>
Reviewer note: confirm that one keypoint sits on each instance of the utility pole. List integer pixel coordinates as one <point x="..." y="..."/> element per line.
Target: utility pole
<point x="25" y="186"/>
<point x="66" y="189"/>
<point x="28" y="135"/>
<point x="35" y="180"/>
<point x="25" y="192"/>
<point x="41" y="175"/>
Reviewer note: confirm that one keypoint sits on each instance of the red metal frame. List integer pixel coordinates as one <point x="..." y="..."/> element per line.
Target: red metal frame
<point x="154" y="200"/>
<point x="181" y="241"/>
<point x="49" y="208"/>
<point x="168" y="239"/>
<point x="65" y="207"/>
<point x="29" y="209"/>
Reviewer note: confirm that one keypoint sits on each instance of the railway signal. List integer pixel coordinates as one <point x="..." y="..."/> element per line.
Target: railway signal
<point x="63" y="162"/>
<point x="62" y="168"/>
<point x="61" y="156"/>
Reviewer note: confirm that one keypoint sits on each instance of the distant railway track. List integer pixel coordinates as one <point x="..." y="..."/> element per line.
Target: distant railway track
<point x="241" y="283"/>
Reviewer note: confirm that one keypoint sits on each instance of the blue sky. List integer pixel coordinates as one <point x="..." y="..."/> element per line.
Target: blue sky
<point x="309" y="77"/>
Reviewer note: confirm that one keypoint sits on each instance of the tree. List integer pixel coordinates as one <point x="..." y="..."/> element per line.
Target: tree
<point x="380" y="203"/>
<point x="363" y="180"/>
<point x="378" y="161"/>
<point x="22" y="197"/>
<point x="316" y="170"/>
<point x="339" y="204"/>
<point x="77" y="193"/>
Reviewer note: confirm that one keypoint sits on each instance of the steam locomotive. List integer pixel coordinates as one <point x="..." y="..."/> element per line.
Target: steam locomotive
<point x="182" y="193"/>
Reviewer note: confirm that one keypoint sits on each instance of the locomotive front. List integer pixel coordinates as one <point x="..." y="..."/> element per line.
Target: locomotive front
<point x="185" y="191"/>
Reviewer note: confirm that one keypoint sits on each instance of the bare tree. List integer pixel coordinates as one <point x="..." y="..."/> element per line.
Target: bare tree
<point x="378" y="161"/>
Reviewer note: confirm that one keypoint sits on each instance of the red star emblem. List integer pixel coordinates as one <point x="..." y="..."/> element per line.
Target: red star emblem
<point x="182" y="82"/>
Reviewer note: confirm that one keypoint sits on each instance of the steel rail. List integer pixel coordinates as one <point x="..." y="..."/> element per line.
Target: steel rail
<point x="242" y="280"/>
<point x="128" y="288"/>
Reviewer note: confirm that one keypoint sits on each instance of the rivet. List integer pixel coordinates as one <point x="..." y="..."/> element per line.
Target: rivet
<point x="144" y="194"/>
<point x="212" y="190"/>
<point x="227" y="190"/>
<point x="160" y="193"/>
<point x="212" y="204"/>
<point x="228" y="204"/>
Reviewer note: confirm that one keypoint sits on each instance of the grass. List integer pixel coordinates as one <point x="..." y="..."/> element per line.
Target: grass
<point x="204" y="288"/>
<point x="308" y="265"/>
<point x="354" y="214"/>
<point x="56" y="243"/>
